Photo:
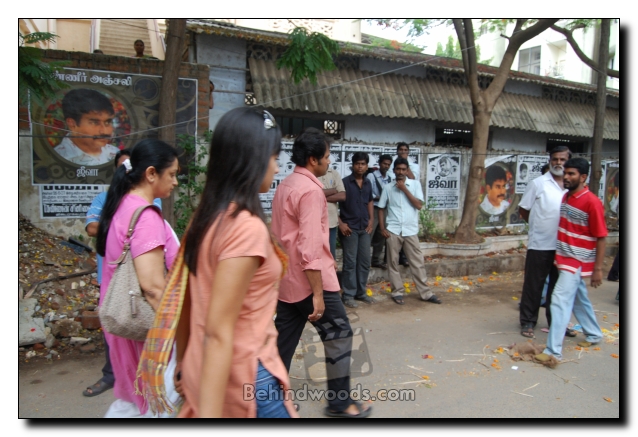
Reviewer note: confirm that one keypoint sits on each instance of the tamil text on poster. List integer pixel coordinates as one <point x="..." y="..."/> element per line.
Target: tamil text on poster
<point x="528" y="168"/>
<point x="77" y="134"/>
<point x="68" y="201"/>
<point x="443" y="184"/>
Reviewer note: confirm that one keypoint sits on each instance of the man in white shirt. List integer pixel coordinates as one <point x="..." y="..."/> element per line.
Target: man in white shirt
<point x="335" y="192"/>
<point x="414" y="172"/>
<point x="89" y="116"/>
<point x="401" y="201"/>
<point x="540" y="207"/>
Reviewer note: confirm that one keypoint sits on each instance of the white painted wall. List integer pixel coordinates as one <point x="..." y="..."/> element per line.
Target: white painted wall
<point x="511" y="139"/>
<point x="380" y="130"/>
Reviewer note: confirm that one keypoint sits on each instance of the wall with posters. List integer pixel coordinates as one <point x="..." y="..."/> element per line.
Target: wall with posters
<point x="611" y="196"/>
<point x="55" y="187"/>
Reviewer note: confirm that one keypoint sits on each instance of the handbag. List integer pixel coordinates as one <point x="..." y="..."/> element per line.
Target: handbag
<point x="125" y="311"/>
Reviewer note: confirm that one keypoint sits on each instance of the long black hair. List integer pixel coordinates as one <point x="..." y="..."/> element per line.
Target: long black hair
<point x="243" y="142"/>
<point x="147" y="153"/>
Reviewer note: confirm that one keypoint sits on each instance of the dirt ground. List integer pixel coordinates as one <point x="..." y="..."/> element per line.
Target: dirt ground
<point x="448" y="355"/>
<point x="452" y="358"/>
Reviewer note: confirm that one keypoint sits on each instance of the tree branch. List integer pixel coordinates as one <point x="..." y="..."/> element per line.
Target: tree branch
<point x="469" y="61"/>
<point x="583" y="57"/>
<point x="518" y="37"/>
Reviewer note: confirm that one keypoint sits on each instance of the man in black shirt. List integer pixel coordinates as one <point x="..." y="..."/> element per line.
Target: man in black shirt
<point x="355" y="229"/>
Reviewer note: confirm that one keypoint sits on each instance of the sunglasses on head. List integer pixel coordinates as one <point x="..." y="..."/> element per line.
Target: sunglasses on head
<point x="269" y="120"/>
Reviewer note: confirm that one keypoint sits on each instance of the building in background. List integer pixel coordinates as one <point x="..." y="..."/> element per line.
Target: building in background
<point x="549" y="54"/>
<point x="113" y="36"/>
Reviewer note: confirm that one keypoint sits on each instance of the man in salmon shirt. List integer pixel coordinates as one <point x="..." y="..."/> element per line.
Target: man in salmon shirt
<point x="310" y="290"/>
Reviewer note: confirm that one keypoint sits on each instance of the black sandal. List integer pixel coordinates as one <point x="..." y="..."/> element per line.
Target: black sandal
<point x="528" y="331"/>
<point x="362" y="413"/>
<point x="434" y="299"/>
<point x="398" y="299"/>
<point x="97" y="388"/>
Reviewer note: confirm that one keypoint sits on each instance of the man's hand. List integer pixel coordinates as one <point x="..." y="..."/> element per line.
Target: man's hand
<point x="318" y="306"/>
<point x="401" y="183"/>
<point x="385" y="233"/>
<point x="344" y="229"/>
<point x="369" y="227"/>
<point x="597" y="278"/>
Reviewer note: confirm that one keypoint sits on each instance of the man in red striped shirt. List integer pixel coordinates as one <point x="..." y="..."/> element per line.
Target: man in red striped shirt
<point x="580" y="251"/>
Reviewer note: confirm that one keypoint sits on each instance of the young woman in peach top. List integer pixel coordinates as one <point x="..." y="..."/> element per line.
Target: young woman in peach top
<point x="235" y="267"/>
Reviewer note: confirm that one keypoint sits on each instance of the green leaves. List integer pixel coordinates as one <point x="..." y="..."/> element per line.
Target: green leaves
<point x="34" y="76"/>
<point x="308" y="54"/>
<point x="191" y="182"/>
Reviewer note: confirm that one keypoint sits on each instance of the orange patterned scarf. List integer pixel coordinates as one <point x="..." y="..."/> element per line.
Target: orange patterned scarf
<point x="161" y="336"/>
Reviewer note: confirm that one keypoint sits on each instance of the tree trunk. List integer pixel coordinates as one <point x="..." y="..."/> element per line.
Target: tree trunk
<point x="601" y="104"/>
<point x="168" y="97"/>
<point x="466" y="231"/>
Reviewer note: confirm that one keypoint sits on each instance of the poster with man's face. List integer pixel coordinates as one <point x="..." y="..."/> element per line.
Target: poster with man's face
<point x="443" y="181"/>
<point x="498" y="201"/>
<point x="77" y="134"/>
<point x="349" y="150"/>
<point x="612" y="193"/>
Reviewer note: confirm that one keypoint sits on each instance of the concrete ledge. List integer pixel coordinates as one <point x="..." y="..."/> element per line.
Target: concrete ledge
<point x="461" y="267"/>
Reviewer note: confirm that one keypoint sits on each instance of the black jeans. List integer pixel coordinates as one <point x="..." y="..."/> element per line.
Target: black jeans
<point x="538" y="264"/>
<point x="335" y="333"/>
<point x="614" y="273"/>
<point x="356" y="264"/>
<point x="107" y="370"/>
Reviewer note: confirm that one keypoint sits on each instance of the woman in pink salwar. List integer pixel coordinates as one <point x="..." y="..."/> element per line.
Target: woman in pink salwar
<point x="150" y="172"/>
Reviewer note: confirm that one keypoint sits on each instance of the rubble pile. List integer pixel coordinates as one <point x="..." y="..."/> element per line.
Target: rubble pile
<point x="57" y="295"/>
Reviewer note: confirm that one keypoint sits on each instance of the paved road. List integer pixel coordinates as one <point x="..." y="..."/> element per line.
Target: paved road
<point x="395" y="338"/>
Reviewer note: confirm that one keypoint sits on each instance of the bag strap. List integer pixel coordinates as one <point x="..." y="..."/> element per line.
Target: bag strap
<point x="131" y="228"/>
<point x="136" y="216"/>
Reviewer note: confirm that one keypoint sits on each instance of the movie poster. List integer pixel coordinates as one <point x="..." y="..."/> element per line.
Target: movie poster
<point x="443" y="184"/>
<point x="611" y="199"/>
<point x="374" y="152"/>
<point x="528" y="168"/>
<point x="414" y="157"/>
<point x="286" y="167"/>
<point x="77" y="134"/>
<point x="498" y="201"/>
<point x="67" y="201"/>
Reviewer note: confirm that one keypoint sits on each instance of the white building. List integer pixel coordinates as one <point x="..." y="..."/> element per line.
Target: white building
<point x="549" y="54"/>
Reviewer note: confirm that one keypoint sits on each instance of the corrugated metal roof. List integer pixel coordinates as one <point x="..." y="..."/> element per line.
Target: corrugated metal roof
<point x="384" y="54"/>
<point x="347" y="91"/>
